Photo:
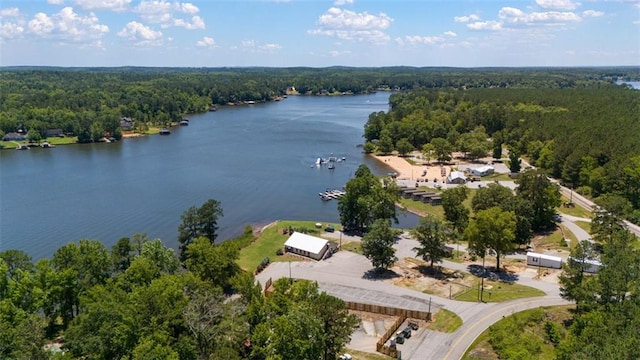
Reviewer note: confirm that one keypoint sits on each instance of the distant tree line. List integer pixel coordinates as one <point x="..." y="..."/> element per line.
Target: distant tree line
<point x="89" y="102"/>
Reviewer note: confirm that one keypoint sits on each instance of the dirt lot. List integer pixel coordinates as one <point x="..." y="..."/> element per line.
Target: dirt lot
<point x="416" y="275"/>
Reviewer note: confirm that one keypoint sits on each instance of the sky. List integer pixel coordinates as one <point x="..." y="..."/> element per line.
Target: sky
<point x="286" y="33"/>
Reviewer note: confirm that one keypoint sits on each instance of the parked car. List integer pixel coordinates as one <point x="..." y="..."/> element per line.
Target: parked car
<point x="344" y="356"/>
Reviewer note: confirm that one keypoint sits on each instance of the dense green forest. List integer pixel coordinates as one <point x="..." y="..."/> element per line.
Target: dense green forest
<point x="138" y="301"/>
<point x="89" y="102"/>
<point x="586" y="135"/>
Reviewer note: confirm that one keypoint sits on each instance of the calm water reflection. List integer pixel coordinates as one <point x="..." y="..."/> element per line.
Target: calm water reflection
<point x="256" y="160"/>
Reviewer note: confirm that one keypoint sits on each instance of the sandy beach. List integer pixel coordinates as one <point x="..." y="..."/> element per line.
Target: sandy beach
<point x="409" y="171"/>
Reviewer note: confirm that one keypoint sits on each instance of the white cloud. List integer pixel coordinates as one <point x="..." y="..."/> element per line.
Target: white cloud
<point x="517" y="16"/>
<point x="10" y="30"/>
<point x="349" y="25"/>
<point x="255" y="47"/>
<point x="66" y="25"/>
<point x="592" y="13"/>
<point x="485" y="25"/>
<point x="196" y="23"/>
<point x="114" y="5"/>
<point x="9" y="12"/>
<point x="513" y="18"/>
<point x="336" y="53"/>
<point x="166" y="14"/>
<point x="206" y="42"/>
<point x="141" y="34"/>
<point x="465" y="19"/>
<point x="413" y="40"/>
<point x="342" y="2"/>
<point x="55" y="2"/>
<point x="557" y="4"/>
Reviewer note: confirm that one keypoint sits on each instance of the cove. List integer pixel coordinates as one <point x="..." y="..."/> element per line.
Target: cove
<point x="258" y="161"/>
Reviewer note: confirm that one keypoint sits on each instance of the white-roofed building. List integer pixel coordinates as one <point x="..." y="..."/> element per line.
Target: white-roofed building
<point x="482" y="171"/>
<point x="306" y="245"/>
<point x="456" y="177"/>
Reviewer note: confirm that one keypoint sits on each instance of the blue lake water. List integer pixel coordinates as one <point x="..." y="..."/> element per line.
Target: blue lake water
<point x="257" y="160"/>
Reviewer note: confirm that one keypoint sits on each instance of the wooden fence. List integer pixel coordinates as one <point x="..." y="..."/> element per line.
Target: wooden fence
<point x="402" y="315"/>
<point x="267" y="285"/>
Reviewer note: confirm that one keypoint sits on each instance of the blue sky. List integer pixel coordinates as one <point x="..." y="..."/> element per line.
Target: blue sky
<point x="281" y="33"/>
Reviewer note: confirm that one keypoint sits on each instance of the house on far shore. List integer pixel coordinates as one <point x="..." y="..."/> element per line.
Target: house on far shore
<point x="126" y="123"/>
<point x="456" y="177"/>
<point x="55" y="133"/>
<point x="306" y="245"/>
<point x="482" y="171"/>
<point x="14" y="136"/>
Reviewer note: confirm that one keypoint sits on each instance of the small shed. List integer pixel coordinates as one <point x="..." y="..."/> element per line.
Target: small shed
<point x="543" y="260"/>
<point x="482" y="171"/>
<point x="456" y="177"/>
<point x="306" y="245"/>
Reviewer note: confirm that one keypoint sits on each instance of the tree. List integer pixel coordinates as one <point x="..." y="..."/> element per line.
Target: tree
<point x="514" y="162"/>
<point x="404" y="146"/>
<point x="33" y="136"/>
<point x="367" y="199"/>
<point x="442" y="148"/>
<point x="573" y="280"/>
<point x="213" y="263"/>
<point x="454" y="210"/>
<point x="385" y="143"/>
<point x="196" y="222"/>
<point x="498" y="195"/>
<point x="427" y="152"/>
<point x="432" y="238"/>
<point x="337" y="323"/>
<point x="492" y="229"/>
<point x="377" y="245"/>
<point x="121" y="255"/>
<point x="544" y="197"/>
<point x="497" y="150"/>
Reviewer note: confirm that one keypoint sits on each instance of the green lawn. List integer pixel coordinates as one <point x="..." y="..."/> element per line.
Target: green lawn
<point x="423" y="209"/>
<point x="445" y="321"/>
<point x="574" y="211"/>
<point x="270" y="240"/>
<point x="498" y="291"/>
<point x="353" y="246"/>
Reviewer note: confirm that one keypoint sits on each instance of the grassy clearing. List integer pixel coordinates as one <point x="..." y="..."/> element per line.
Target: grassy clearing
<point x="574" y="211"/>
<point x="498" y="291"/>
<point x="353" y="246"/>
<point x="445" y="321"/>
<point x="524" y="332"/>
<point x="555" y="239"/>
<point x="270" y="240"/>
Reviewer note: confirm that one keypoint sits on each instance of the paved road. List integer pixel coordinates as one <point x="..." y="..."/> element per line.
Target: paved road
<point x="344" y="276"/>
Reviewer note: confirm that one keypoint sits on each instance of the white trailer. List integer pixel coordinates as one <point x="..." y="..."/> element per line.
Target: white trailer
<point x="589" y="265"/>
<point x="543" y="260"/>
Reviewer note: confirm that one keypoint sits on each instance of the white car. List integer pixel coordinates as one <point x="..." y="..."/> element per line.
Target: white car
<point x="345" y="357"/>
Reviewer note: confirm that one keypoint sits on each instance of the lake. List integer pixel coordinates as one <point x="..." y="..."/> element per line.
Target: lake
<point x="258" y="161"/>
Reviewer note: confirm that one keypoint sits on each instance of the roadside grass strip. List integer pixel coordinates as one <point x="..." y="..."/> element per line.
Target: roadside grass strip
<point x="445" y="321"/>
<point x="498" y="291"/>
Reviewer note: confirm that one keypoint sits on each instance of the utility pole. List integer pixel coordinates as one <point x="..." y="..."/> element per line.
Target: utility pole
<point x="484" y="273"/>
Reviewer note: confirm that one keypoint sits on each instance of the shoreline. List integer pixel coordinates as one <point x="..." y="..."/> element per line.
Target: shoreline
<point x="408" y="171"/>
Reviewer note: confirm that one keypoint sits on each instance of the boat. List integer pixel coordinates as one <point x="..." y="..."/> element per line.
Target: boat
<point x="164" y="132"/>
<point x="331" y="166"/>
<point x="23" y="147"/>
<point x="184" y="122"/>
<point x="46" y="145"/>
